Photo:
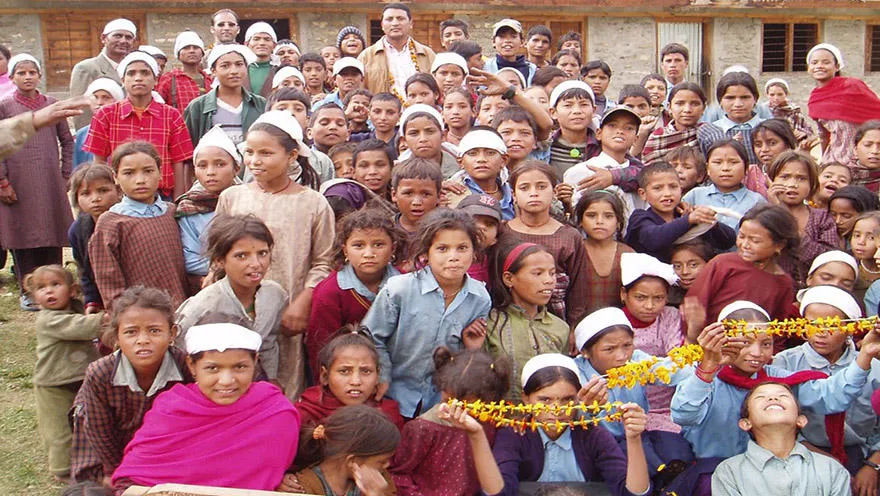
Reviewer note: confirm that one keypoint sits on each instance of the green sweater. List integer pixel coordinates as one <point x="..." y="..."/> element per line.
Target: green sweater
<point x="64" y="346"/>
<point x="257" y="74"/>
<point x="199" y="114"/>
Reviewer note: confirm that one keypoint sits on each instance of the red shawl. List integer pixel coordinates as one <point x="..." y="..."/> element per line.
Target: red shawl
<point x="844" y="99"/>
<point x="834" y="422"/>
<point x="36" y="103"/>
<point x="188" y="439"/>
<point x="317" y="403"/>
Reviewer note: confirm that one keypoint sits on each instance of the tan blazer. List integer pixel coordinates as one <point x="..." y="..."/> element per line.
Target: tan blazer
<point x="82" y="75"/>
<point x="376" y="64"/>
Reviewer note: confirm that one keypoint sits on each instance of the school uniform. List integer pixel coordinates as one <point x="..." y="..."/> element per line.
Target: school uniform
<point x="741" y="200"/>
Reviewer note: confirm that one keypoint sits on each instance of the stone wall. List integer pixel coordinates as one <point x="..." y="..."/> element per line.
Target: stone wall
<point x="21" y="34"/>
<point x="320" y="29"/>
<point x="162" y="29"/>
<point x="627" y="44"/>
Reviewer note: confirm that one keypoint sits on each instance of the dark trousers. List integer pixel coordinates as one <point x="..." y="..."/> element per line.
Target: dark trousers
<point x="28" y="259"/>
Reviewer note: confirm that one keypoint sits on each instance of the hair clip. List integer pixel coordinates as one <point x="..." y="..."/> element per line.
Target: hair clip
<point x="492" y="366"/>
<point x="319" y="433"/>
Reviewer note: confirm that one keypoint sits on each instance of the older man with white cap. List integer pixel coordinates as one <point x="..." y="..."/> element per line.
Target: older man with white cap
<point x="118" y="39"/>
<point x="181" y="86"/>
<point x="261" y="39"/>
<point x="140" y="117"/>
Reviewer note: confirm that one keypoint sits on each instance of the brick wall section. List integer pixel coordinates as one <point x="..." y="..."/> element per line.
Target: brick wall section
<point x="21" y="34"/>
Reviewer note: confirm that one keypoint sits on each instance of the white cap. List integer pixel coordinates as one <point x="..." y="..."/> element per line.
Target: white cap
<point x="735" y="68"/>
<point x="419" y="108"/>
<point x="154" y="51"/>
<point x="221" y="337"/>
<point x="770" y="82"/>
<point x="519" y="75"/>
<point x="570" y="85"/>
<point x="286" y="72"/>
<point x="507" y="23"/>
<point x="185" y="39"/>
<point x="120" y="25"/>
<point x="346" y="62"/>
<point x="108" y="85"/>
<point x="284" y="121"/>
<point x="447" y="58"/>
<point x="831" y="295"/>
<point x="598" y="321"/>
<point x="636" y="265"/>
<point x="831" y="48"/>
<point x="834" y="256"/>
<point x="545" y="360"/>
<point x="137" y="56"/>
<point x="260" y="27"/>
<point x="216" y="137"/>
<point x="284" y="44"/>
<point x="741" y="305"/>
<point x="22" y="57"/>
<point x="481" y="138"/>
<point x="227" y="48"/>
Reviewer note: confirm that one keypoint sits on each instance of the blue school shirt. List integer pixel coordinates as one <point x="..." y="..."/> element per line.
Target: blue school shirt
<point x="731" y="129"/>
<point x="506" y="202"/>
<point x="331" y="98"/>
<point x="861" y="421"/>
<point x="872" y="299"/>
<point x="741" y="200"/>
<point x="347" y="279"/>
<point x="134" y="208"/>
<point x="408" y="322"/>
<point x="192" y="228"/>
<point x="560" y="464"/>
<point x="81" y="156"/>
<point x="708" y="413"/>
<point x="638" y="394"/>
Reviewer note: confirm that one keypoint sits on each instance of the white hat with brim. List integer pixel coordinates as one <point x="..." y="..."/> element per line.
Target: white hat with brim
<point x="831" y="295"/>
<point x="108" y="85"/>
<point x="571" y="84"/>
<point x="216" y="137"/>
<point x="598" y="321"/>
<point x="185" y="39"/>
<point x="346" y="62"/>
<point x="544" y="361"/>
<point x="137" y="56"/>
<point x="120" y="25"/>
<point x="284" y="121"/>
<point x="221" y="337"/>
<point x="287" y="72"/>
<point x="507" y="23"/>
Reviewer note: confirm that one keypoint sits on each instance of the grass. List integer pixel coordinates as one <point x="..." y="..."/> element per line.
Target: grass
<point x="24" y="462"/>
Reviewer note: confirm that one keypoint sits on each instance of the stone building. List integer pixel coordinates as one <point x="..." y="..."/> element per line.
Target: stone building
<point x="770" y="37"/>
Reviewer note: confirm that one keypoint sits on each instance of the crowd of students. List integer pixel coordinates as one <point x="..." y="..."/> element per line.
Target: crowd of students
<point x="290" y="284"/>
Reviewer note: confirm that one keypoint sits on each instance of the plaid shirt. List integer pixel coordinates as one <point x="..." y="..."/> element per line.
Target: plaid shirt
<point x="160" y="125"/>
<point x="106" y="415"/>
<point x="178" y="89"/>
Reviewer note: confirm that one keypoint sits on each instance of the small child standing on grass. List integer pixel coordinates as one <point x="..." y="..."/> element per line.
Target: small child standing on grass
<point x="64" y="350"/>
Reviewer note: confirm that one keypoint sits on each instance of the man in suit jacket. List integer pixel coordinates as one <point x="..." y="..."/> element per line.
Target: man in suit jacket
<point x="118" y="39"/>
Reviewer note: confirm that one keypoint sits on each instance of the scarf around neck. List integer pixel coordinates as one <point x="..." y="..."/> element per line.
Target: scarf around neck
<point x="844" y="99"/>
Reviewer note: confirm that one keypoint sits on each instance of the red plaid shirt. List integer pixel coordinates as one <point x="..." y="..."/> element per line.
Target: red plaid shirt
<point x="178" y="89"/>
<point x="160" y="125"/>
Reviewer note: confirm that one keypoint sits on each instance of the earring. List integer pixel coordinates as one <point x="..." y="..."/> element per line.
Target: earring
<point x="345" y="260"/>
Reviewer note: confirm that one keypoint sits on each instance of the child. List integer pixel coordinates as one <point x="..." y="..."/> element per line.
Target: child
<point x="520" y="327"/>
<point x="597" y="74"/>
<point x="458" y="112"/>
<point x="119" y="389"/>
<point x="765" y="233"/>
<point x="771" y="415"/>
<point x="687" y="102"/>
<point x="846" y="204"/>
<point x="793" y="177"/>
<point x="572" y="106"/>
<point x="331" y="54"/>
<point x="64" y="350"/>
<point x="357" y="110"/>
<point x="605" y="340"/>
<point x="832" y="177"/>
<point x="137" y="241"/>
<point x="831" y="353"/>
<point x="539" y="39"/>
<point x="348" y="374"/>
<point x="487" y="106"/>
<point x="327" y="127"/>
<point x="655" y="229"/>
<point x="737" y="93"/>
<point x="571" y="41"/>
<point x="834" y="268"/>
<point x="314" y="68"/>
<point x="367" y="245"/>
<point x="288" y="76"/>
<point x="415" y="190"/>
<point x="239" y="249"/>
<point x="570" y="454"/>
<point x="482" y="155"/>
<point x="863" y="249"/>
<point x="297" y="104"/>
<point x="421" y="126"/>
<point x="533" y="183"/>
<point x="569" y="61"/>
<point x="547" y="78"/>
<point x="600" y="217"/>
<point x="637" y="99"/>
<point x="342" y="157"/>
<point x="687" y="259"/>
<point x="102" y="91"/>
<point x="372" y="167"/>
<point x="520" y="133"/>
<point x="512" y="77"/>
<point x="216" y="162"/>
<point x="452" y="31"/>
<point x="769" y="139"/>
<point x="449" y="70"/>
<point x="34" y="212"/>
<point x="445" y="450"/>
<point x="867" y="170"/>
<point x="302" y="250"/>
<point x="93" y="191"/>
<point x="472" y="52"/>
<point x="422" y="88"/>
<point x="655" y="84"/>
<point x="780" y="106"/>
<point x="727" y="164"/>
<point x="507" y="39"/>
<point x="690" y="165"/>
<point x="486" y="212"/>
<point x="384" y="115"/>
<point x="354" y="446"/>
<point x="438" y="304"/>
<point x="286" y="53"/>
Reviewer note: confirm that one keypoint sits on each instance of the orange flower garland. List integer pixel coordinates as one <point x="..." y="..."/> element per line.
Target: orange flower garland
<point x="801" y="327"/>
<point x="522" y="416"/>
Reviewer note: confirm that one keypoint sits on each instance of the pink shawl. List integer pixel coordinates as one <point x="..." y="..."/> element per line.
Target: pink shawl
<point x="188" y="439"/>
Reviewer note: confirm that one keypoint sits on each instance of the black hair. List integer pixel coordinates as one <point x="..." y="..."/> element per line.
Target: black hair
<point x="549" y="376"/>
<point x="442" y="219"/>
<point x="355" y="430"/>
<point x="426" y="79"/>
<point x="515" y="113"/>
<point x="687" y="86"/>
<point x="789" y="156"/>
<point x="744" y="408"/>
<point x="4" y="50"/>
<point x="653" y="77"/>
<point x="501" y="294"/>
<point x="417" y="168"/>
<point x="737" y="78"/>
<point x="139" y="297"/>
<point x="371" y="145"/>
<point x="323" y="108"/>
<point x="308" y="178"/>
<point x="696" y="246"/>
<point x="398" y="6"/>
<point x="460" y="91"/>
<point x="466" y="48"/>
<point x="597" y="196"/>
<point x="471" y="374"/>
<point x="738" y="147"/>
<point x="779" y="127"/>
<point x="454" y="23"/>
<point x="683" y="153"/>
<point x="529" y="166"/>
<point x="546" y="74"/>
<point x="417" y="115"/>
<point x="133" y="148"/>
<point x="312" y="57"/>
<point x="569" y="36"/>
<point x="224" y="11"/>
<point x="873" y="125"/>
<point x="540" y="29"/>
<point x="358" y="92"/>
<point x="576" y="93"/>
<point x="675" y="48"/>
<point x="633" y="91"/>
<point x="368" y="218"/>
<point x="386" y="97"/>
<point x="344" y="147"/>
<point x="87" y="173"/>
<point x="652" y="169"/>
<point x="862" y="199"/>
<point x="563" y="53"/>
<point x="285" y="94"/>
<point x="596" y="64"/>
<point x="779" y="222"/>
<point x="225" y="230"/>
<point x="348" y="335"/>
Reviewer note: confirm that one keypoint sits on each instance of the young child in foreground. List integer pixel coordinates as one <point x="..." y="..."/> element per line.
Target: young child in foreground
<point x="775" y="462"/>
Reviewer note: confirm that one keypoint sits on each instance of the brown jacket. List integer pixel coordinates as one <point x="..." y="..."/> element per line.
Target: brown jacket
<point x="376" y="64"/>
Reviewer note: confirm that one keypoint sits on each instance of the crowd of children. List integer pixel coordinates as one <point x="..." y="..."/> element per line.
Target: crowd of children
<point x="280" y="257"/>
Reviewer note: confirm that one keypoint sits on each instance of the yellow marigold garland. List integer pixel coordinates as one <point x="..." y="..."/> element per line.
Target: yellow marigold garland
<point x="802" y="328"/>
<point x="647" y="371"/>
<point x="415" y="60"/>
<point x="521" y="417"/>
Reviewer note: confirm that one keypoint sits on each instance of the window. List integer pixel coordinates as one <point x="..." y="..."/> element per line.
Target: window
<point x="785" y="46"/>
<point x="873" y="52"/>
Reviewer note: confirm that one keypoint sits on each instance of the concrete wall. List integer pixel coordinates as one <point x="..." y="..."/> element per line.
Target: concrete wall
<point x="318" y="30"/>
<point x="627" y="44"/>
<point x="162" y="29"/>
<point x="21" y="34"/>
